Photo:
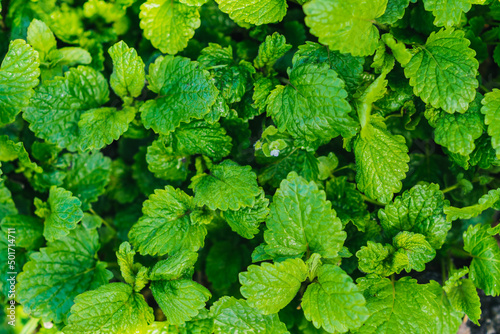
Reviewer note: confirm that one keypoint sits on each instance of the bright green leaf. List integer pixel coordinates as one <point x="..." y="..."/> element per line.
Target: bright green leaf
<point x="254" y="11"/>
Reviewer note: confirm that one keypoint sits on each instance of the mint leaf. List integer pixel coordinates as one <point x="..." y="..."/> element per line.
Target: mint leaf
<point x="10" y="150"/>
<point x="485" y="202"/>
<point x="165" y="163"/>
<point x="345" y="26"/>
<point x="200" y="137"/>
<point x="419" y="210"/>
<point x="18" y="76"/>
<point x="448" y="13"/>
<point x="166" y="226"/>
<point x="272" y="49"/>
<point x="113" y="308"/>
<point x="61" y="212"/>
<point x="56" y="107"/>
<point x="404" y="305"/>
<point x="271" y="287"/>
<point x="100" y="127"/>
<point x="254" y="11"/>
<point x="395" y="11"/>
<point x="457" y="132"/>
<point x="59" y="272"/>
<point x="484" y="269"/>
<point x="41" y="38"/>
<point x="457" y="83"/>
<point x="313" y="106"/>
<point x="171" y="78"/>
<point x="491" y="111"/>
<point x="415" y="248"/>
<point x="301" y="220"/>
<point x="233" y="316"/>
<point x="229" y="186"/>
<point x="383" y="260"/>
<point x="174" y="266"/>
<point x="133" y="273"/>
<point x="381" y="161"/>
<point x="246" y="221"/>
<point x="463" y="296"/>
<point x="334" y="302"/>
<point x="127" y="79"/>
<point x="29" y="230"/>
<point x="169" y="25"/>
<point x="180" y="300"/>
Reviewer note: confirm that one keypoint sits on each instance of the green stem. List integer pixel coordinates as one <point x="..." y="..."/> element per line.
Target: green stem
<point x="460" y="253"/>
<point x="342" y="168"/>
<point x="108" y="225"/>
<point x="372" y="201"/>
<point x="30" y="326"/>
<point x="483" y="87"/>
<point x="453" y="187"/>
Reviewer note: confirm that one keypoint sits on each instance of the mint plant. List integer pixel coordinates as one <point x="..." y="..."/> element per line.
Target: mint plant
<point x="230" y="166"/>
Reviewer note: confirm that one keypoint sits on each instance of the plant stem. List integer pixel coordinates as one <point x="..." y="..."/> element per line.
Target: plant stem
<point x="453" y="187"/>
<point x="30" y="326"/>
<point x="108" y="225"/>
<point x="369" y="200"/>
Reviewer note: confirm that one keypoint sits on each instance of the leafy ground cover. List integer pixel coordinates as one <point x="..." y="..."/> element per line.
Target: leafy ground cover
<point x="259" y="166"/>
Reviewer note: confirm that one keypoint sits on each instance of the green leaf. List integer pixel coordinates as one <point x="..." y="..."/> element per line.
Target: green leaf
<point x="88" y="176"/>
<point x="246" y="221"/>
<point x="234" y="316"/>
<point x="347" y="202"/>
<point x="345" y="26"/>
<point x="272" y="49"/>
<point x="382" y="260"/>
<point x="484" y="269"/>
<point x="56" y="108"/>
<point x="381" y="161"/>
<point x="334" y="302"/>
<point x="180" y="300"/>
<point x="491" y="111"/>
<point x="313" y="106"/>
<point x="59" y="272"/>
<point x="18" y="76"/>
<point x="254" y="11"/>
<point x="61" y="215"/>
<point x="100" y="127"/>
<point x="41" y="38"/>
<point x="445" y="62"/>
<point x="179" y="101"/>
<point x="169" y="25"/>
<point x="200" y="137"/>
<point x="448" y="13"/>
<point x="133" y="273"/>
<point x="176" y="265"/>
<point x="457" y="132"/>
<point x="166" y="226"/>
<point x="7" y="205"/>
<point x="271" y="287"/>
<point x="128" y="77"/>
<point x="415" y="248"/>
<point x="349" y="68"/>
<point x="165" y="163"/>
<point x="395" y="11"/>
<point x="301" y="220"/>
<point x="10" y="150"/>
<point x="201" y="324"/>
<point x="405" y="306"/>
<point x="463" y="296"/>
<point x="418" y="210"/>
<point x="229" y="186"/>
<point x="113" y="308"/>
<point x="485" y="202"/>
<point x="29" y="230"/>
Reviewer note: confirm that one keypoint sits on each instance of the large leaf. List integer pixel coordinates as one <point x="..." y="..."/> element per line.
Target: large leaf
<point x="166" y="225"/>
<point x="313" y="106"/>
<point x="228" y="186"/>
<point x="334" y="302"/>
<point x="18" y="76"/>
<point x="271" y="287"/>
<point x="345" y="25"/>
<point x="302" y="220"/>
<point x="127" y="79"/>
<point x="169" y="24"/>
<point x="448" y="13"/>
<point x="59" y="272"/>
<point x="234" y="316"/>
<point x="485" y="202"/>
<point x="443" y="71"/>
<point x="185" y="92"/>
<point x="418" y="210"/>
<point x="381" y="161"/>
<point x="113" y="308"/>
<point x="180" y="300"/>
<point x="485" y="266"/>
<point x="254" y="11"/>
<point x="56" y="107"/>
<point x="491" y="111"/>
